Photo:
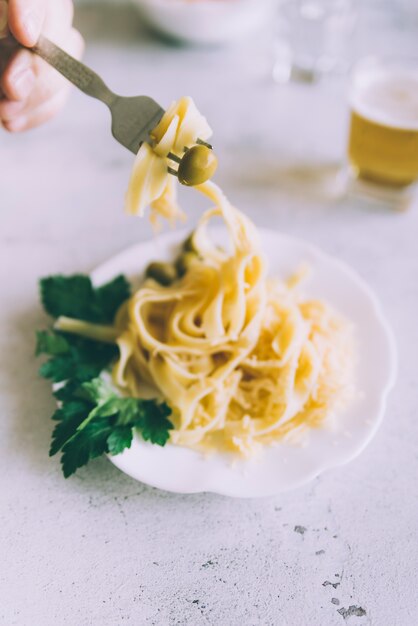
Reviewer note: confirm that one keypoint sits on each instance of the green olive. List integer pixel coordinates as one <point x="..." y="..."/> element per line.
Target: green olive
<point x="162" y="273"/>
<point x="189" y="244"/>
<point x="197" y="166"/>
<point x="184" y="262"/>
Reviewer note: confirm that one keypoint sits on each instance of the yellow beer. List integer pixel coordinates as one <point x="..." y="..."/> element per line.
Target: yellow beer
<point x="383" y="140"/>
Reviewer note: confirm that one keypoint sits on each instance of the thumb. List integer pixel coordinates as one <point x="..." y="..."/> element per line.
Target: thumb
<point x="26" y="18"/>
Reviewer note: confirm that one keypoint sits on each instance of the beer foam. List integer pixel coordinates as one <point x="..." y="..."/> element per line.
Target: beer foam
<point x="387" y="96"/>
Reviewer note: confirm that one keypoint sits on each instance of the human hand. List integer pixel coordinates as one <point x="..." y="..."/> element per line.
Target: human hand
<point x="31" y="92"/>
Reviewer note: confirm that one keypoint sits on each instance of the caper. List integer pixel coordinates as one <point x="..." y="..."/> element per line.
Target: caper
<point x="162" y="273"/>
<point x="184" y="262"/>
<point x="189" y="244"/>
<point x="197" y="166"/>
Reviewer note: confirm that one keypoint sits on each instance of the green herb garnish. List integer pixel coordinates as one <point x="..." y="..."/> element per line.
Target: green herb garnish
<point x="75" y="296"/>
<point x="92" y="418"/>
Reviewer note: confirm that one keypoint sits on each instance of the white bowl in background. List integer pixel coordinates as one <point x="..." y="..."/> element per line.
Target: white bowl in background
<point x="206" y="21"/>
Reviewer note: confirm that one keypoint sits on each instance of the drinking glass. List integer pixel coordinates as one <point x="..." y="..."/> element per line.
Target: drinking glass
<point x="313" y="38"/>
<point x="383" y="134"/>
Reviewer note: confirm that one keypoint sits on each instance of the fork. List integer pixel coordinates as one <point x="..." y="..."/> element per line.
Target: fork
<point x="132" y="118"/>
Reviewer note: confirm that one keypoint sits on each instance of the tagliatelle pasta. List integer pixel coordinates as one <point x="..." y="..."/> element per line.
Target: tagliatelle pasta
<point x="242" y="359"/>
<point x="151" y="185"/>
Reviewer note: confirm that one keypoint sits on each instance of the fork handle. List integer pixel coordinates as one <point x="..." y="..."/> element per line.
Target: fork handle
<point x="76" y="72"/>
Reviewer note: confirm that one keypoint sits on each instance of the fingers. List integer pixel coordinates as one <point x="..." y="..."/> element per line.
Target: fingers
<point x="18" y="78"/>
<point x="10" y="110"/>
<point x="31" y="91"/>
<point x="26" y="19"/>
<point x="47" y="95"/>
<point x="41" y="114"/>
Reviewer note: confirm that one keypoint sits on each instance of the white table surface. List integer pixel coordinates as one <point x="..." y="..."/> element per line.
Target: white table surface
<point x="102" y="549"/>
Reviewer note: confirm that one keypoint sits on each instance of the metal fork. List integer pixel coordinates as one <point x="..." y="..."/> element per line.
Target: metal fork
<point x="132" y="118"/>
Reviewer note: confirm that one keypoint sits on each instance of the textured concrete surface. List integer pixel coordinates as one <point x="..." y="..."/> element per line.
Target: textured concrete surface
<point x="102" y="549"/>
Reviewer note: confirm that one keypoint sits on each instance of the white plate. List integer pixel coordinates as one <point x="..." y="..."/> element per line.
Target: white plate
<point x="286" y="466"/>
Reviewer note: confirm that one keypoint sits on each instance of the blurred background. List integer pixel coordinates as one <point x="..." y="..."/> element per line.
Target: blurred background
<point x="271" y="76"/>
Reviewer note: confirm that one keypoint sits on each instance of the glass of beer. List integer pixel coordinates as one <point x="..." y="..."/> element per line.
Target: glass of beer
<point x="383" y="137"/>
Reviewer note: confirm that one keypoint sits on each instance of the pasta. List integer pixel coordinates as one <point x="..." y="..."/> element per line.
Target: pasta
<point x="151" y="185"/>
<point x="242" y="359"/>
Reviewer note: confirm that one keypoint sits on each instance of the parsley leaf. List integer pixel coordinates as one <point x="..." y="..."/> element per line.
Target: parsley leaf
<point x="83" y="359"/>
<point x="110" y="296"/>
<point x="97" y="391"/>
<point x="66" y="392"/>
<point x="86" y="443"/>
<point x="94" y="420"/>
<point x="119" y="439"/>
<point x="154" y="422"/>
<point x="50" y="343"/>
<point x="69" y="418"/>
<point x="75" y="296"/>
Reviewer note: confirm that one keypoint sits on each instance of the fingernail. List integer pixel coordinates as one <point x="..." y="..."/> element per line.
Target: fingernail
<point x="23" y="82"/>
<point x="32" y="26"/>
